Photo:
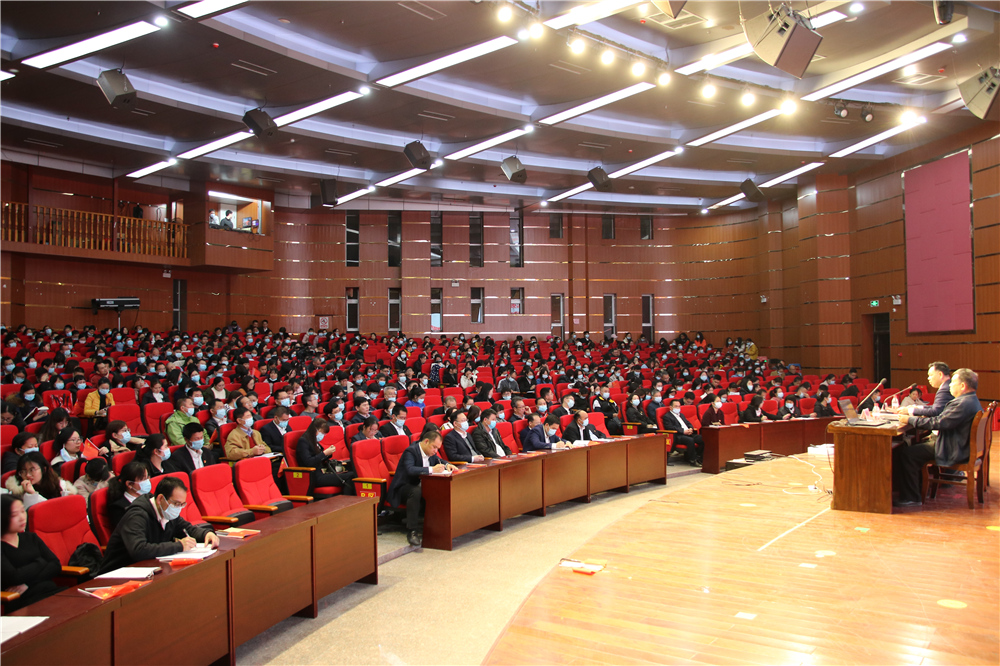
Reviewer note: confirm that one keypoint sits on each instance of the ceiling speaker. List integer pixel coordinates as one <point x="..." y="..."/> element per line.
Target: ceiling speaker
<point x="751" y="191"/>
<point x="599" y="178"/>
<point x="258" y="122"/>
<point x="783" y="39"/>
<point x="943" y="10"/>
<point x="117" y="89"/>
<point x="417" y="155"/>
<point x="980" y="92"/>
<point x="328" y="192"/>
<point x="670" y="7"/>
<point x="514" y="170"/>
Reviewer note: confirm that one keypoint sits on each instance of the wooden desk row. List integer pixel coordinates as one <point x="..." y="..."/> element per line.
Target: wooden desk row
<point x="198" y="614"/>
<point x="484" y="496"/>
<point x="786" y="438"/>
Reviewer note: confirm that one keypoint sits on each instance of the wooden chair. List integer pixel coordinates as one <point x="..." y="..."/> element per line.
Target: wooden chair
<point x="933" y="477"/>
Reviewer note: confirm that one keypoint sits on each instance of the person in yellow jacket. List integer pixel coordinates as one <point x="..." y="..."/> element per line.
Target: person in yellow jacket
<point x="96" y="404"/>
<point x="243" y="441"/>
<point x="751" y="349"/>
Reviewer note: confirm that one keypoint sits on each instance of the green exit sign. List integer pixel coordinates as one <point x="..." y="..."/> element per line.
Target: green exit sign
<point x="873" y="304"/>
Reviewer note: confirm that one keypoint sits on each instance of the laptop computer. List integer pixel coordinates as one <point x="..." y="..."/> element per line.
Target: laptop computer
<point x="851" y="414"/>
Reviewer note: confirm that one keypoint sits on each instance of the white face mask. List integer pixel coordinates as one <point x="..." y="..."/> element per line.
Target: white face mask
<point x="718" y="405"/>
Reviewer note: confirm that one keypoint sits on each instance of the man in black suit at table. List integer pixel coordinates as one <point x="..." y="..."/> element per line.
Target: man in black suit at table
<point x="458" y="444"/>
<point x="419" y="459"/>
<point x="685" y="434"/>
<point x="486" y="438"/>
<point x="580" y="428"/>
<point x="396" y="424"/>
<point x="273" y="433"/>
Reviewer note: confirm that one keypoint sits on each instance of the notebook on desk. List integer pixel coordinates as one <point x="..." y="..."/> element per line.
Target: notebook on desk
<point x="851" y="414"/>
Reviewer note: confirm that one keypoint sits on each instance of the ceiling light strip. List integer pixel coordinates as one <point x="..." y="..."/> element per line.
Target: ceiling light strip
<point x="92" y="45"/>
<point x="713" y="60"/>
<point x="215" y="145"/>
<point x="354" y="195"/>
<point x="861" y="145"/>
<point x="318" y="107"/>
<point x="732" y="129"/>
<point x="489" y="143"/>
<point x="152" y="169"/>
<point x="398" y="178"/>
<point x="569" y="193"/>
<point x="726" y="202"/>
<point x="645" y="163"/>
<point x="206" y="7"/>
<point x="826" y="19"/>
<point x="5" y="75"/>
<point x="874" y="72"/>
<point x="597" y="103"/>
<point x="792" y="174"/>
<point x="586" y="13"/>
<point x="447" y="61"/>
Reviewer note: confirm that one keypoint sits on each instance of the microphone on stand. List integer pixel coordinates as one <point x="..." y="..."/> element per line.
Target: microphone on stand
<point x="877" y="386"/>
<point x="906" y="390"/>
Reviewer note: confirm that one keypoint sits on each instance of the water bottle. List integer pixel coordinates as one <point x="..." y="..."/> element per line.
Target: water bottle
<point x="895" y="402"/>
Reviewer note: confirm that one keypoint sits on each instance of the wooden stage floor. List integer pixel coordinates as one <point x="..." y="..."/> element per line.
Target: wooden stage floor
<point x="752" y="567"/>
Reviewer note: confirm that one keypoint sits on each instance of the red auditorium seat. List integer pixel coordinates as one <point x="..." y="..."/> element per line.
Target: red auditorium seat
<point x="62" y="524"/>
<point x="300" y="480"/>
<point x="259" y="492"/>
<point x="213" y="491"/>
<point x="130" y="414"/>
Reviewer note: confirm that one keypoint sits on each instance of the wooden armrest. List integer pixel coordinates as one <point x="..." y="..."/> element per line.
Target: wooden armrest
<point x="298" y="498"/>
<point x="300" y="469"/>
<point x="9" y="596"/>
<point x="222" y="520"/>
<point x="363" y="479"/>
<point x="459" y="463"/>
<point x="75" y="571"/>
<point x="263" y="508"/>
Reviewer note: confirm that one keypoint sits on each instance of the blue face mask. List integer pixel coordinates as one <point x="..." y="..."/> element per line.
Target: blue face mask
<point x="126" y="437"/>
<point x="320" y="436"/>
<point x="18" y="380"/>
<point x="551" y="431"/>
<point x="493" y="424"/>
<point x="381" y="383"/>
<point x="195" y="377"/>
<point x="172" y="512"/>
<point x="145" y="487"/>
<point x="197" y="444"/>
<point x="338" y="416"/>
<point x="464" y="425"/>
<point x="198" y="401"/>
<point x="400" y="422"/>
<point x="104" y="390"/>
<point x="81" y="385"/>
<point x="59" y="386"/>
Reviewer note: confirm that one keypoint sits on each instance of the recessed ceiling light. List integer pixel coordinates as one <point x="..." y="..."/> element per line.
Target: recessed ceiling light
<point x="505" y="13"/>
<point x="608" y="56"/>
<point x="593" y="104"/>
<point x="909" y="70"/>
<point x="161" y="21"/>
<point x="450" y="60"/>
<point x="5" y="75"/>
<point x="788" y="107"/>
<point x="959" y="38"/>
<point x="856" y="8"/>
<point x="663" y="79"/>
<point x="536" y="31"/>
<point x="748" y="98"/>
<point x="522" y="34"/>
<point x="364" y="90"/>
<point x="708" y="91"/>
<point x="638" y="69"/>
<point x="577" y="45"/>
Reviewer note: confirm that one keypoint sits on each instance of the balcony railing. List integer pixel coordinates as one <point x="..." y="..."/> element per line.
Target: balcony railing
<point x="76" y="229"/>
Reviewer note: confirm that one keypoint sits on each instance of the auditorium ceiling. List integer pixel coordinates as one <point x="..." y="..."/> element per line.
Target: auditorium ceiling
<point x="565" y="87"/>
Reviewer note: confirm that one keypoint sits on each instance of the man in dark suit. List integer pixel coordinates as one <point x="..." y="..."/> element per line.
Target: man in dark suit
<point x="529" y="435"/>
<point x="458" y="444"/>
<point x="486" y="438"/>
<point x="273" y="433"/>
<point x="655" y="402"/>
<point x="152" y="527"/>
<point x="517" y="410"/>
<point x="363" y="408"/>
<point x="396" y="426"/>
<point x="419" y="459"/>
<point x="193" y="455"/>
<point x="850" y="388"/>
<point x="949" y="447"/>
<point x="544" y="436"/>
<point x="685" y="434"/>
<point x="939" y="377"/>
<point x="568" y="402"/>
<point x="580" y="428"/>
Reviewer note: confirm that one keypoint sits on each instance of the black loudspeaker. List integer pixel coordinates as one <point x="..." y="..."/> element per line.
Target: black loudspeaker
<point x="783" y="39"/>
<point x="670" y="7"/>
<point x="514" y="170"/>
<point x="943" y="10"/>
<point x="980" y="92"/>
<point x="600" y="180"/>
<point x="117" y="89"/>
<point x="751" y="191"/>
<point x="258" y="122"/>
<point x="417" y="155"/>
<point x="328" y="191"/>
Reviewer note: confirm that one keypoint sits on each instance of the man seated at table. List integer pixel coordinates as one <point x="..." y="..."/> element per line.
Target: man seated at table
<point x="517" y="410"/>
<point x="949" y="447"/>
<point x="243" y="441"/>
<point x="418" y="459"/>
<point x="486" y="438"/>
<point x="273" y="433"/>
<point x="685" y="434"/>
<point x="544" y="436"/>
<point x="580" y="428"/>
<point x="458" y="444"/>
<point x="939" y="377"/>
<point x="529" y="432"/>
<point x="396" y="424"/>
<point x="152" y="527"/>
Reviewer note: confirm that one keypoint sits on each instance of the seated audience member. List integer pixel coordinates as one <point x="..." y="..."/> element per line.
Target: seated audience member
<point x="939" y="377"/>
<point x="950" y="446"/>
<point x="154" y="453"/>
<point x="118" y="438"/>
<point x="273" y="433"/>
<point x="58" y="420"/>
<point x="35" y="481"/>
<point x="243" y="441"/>
<point x="67" y="446"/>
<point x="789" y="409"/>
<point x="869" y="403"/>
<point x="95" y="406"/>
<point x="529" y="432"/>
<point x="213" y="220"/>
<point x="823" y="408"/>
<point x="28" y="566"/>
<point x="458" y="446"/>
<point x="518" y="410"/>
<point x="134" y="481"/>
<point x="635" y="415"/>
<point x="914" y="398"/>
<point x="396" y="426"/>
<point x="542" y="435"/>
<point x="655" y="402"/>
<point x="580" y="428"/>
<point x="330" y="471"/>
<point x="368" y="430"/>
<point x="96" y="475"/>
<point x="183" y="414"/>
<point x="152" y="527"/>
<point x="10" y="415"/>
<point x="850" y="388"/>
<point x="23" y="442"/>
<point x="219" y="416"/>
<point x="754" y="414"/>
<point x="154" y="394"/>
<point x="362" y="407"/>
<point x="486" y="438"/>
<point x="415" y="398"/>
<point x="193" y="456"/>
<point x="685" y="434"/>
<point x="713" y="416"/>
<point x="605" y="405"/>
<point x="28" y="401"/>
<point x="566" y="408"/>
<point x="310" y="405"/>
<point x="404" y="489"/>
